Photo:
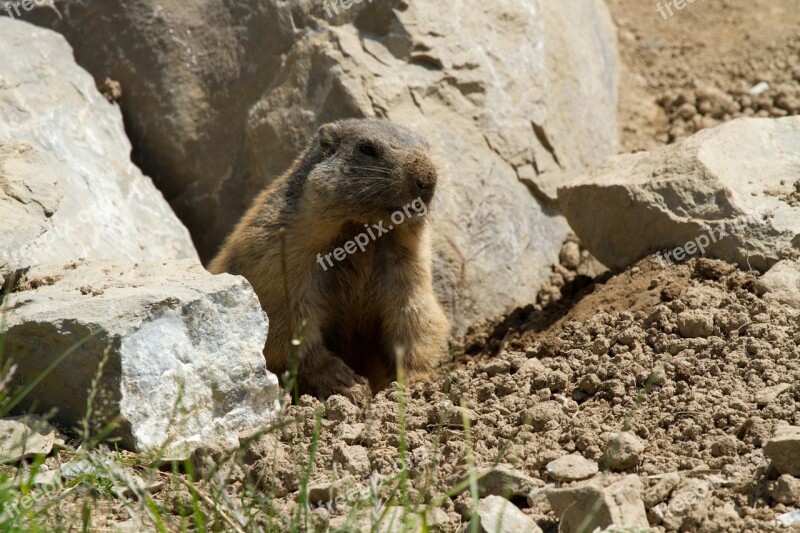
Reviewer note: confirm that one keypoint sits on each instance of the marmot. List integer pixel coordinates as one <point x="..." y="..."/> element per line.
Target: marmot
<point x="352" y="214"/>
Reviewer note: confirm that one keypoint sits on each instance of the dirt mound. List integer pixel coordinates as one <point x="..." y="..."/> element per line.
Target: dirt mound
<point x="681" y="358"/>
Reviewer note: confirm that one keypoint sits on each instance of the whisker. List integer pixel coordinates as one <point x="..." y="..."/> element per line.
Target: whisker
<point x="376" y="179"/>
<point x="375" y="166"/>
<point x="382" y="170"/>
<point x="370" y="193"/>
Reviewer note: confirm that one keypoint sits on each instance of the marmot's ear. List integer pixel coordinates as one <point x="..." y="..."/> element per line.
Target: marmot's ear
<point x="328" y="138"/>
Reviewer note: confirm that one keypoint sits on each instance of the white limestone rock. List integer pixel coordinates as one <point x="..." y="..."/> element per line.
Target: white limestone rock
<point x="68" y="189"/>
<point x="183" y="347"/>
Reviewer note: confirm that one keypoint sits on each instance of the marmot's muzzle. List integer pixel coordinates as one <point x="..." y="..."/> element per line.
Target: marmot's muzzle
<point x="420" y="172"/>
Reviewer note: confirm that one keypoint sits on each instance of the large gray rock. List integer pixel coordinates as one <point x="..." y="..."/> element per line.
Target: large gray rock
<point x="516" y="97"/>
<point x="184" y="350"/>
<point x="189" y="72"/>
<point x="501" y="118"/>
<point x="67" y="186"/>
<point x="730" y="192"/>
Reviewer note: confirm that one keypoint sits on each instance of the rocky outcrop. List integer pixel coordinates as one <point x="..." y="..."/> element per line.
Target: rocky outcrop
<point x="176" y="351"/>
<point x="516" y="97"/>
<point x="67" y="187"/>
<point x="731" y="192"/>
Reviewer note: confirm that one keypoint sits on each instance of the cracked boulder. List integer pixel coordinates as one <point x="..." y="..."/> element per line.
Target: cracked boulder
<point x="178" y="351"/>
<point x="732" y="193"/>
<point x="68" y="189"/>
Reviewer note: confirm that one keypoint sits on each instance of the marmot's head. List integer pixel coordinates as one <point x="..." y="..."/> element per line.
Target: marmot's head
<point x="368" y="169"/>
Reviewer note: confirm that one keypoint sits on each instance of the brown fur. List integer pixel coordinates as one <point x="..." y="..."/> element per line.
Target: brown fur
<point x="375" y="306"/>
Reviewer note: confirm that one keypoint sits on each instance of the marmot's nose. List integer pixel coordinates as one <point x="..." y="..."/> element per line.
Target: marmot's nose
<point x="421" y="171"/>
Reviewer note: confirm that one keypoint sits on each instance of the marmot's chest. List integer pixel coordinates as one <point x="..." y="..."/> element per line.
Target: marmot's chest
<point x="359" y="276"/>
<point x="365" y="283"/>
<point x="356" y="261"/>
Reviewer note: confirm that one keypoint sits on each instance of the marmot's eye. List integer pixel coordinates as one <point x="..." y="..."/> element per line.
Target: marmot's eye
<point x="368" y="148"/>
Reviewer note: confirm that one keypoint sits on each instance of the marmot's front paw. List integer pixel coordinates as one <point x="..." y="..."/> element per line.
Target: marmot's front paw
<point x="335" y="377"/>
